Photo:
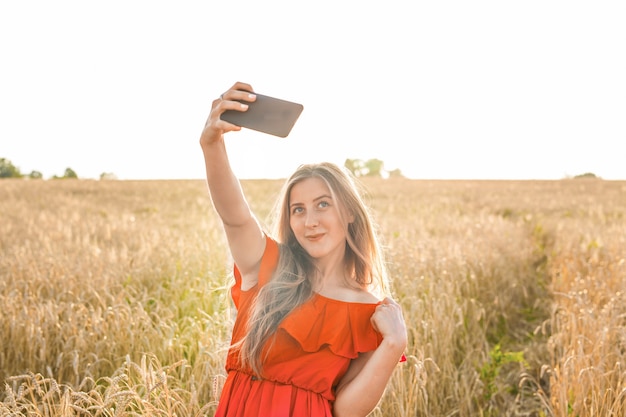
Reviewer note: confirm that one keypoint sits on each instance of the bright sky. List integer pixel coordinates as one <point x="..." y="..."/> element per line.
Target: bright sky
<point x="477" y="89"/>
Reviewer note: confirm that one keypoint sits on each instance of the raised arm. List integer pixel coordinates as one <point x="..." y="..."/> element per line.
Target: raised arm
<point x="245" y="236"/>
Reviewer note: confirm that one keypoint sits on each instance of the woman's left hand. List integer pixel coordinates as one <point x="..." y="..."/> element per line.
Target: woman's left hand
<point x="389" y="322"/>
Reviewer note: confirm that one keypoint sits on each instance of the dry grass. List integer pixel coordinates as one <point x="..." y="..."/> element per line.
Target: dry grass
<point x="114" y="301"/>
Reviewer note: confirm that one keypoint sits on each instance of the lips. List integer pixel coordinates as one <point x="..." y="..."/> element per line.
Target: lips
<point x="315" y="237"/>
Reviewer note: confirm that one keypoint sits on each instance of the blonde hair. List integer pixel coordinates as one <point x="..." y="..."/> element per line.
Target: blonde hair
<point x="296" y="277"/>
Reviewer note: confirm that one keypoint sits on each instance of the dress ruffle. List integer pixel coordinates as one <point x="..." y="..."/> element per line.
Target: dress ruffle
<point x="351" y="331"/>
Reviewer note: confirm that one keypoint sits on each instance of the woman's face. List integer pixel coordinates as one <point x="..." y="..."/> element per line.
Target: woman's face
<point x="315" y="219"/>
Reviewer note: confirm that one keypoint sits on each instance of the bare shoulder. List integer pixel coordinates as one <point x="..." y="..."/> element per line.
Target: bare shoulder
<point x="350" y="295"/>
<point x="364" y="296"/>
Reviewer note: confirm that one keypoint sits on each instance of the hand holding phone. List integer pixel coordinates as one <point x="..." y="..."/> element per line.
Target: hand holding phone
<point x="266" y="114"/>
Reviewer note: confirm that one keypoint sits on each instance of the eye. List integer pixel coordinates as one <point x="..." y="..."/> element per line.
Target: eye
<point x="297" y="210"/>
<point x="323" y="204"/>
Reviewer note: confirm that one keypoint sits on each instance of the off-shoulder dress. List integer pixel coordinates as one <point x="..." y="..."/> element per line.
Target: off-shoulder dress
<point x="312" y="350"/>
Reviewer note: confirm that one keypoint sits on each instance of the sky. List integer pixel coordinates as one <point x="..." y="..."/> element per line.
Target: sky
<point x="437" y="89"/>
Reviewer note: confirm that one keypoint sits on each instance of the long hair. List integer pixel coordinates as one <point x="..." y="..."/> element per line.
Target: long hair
<point x="296" y="277"/>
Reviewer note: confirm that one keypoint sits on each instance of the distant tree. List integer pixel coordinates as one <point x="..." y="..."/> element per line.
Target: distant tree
<point x="586" y="175"/>
<point x="396" y="173"/>
<point x="35" y="175"/>
<point x="370" y="168"/>
<point x="8" y="170"/>
<point x="355" y="166"/>
<point x="374" y="167"/>
<point x="108" y="176"/>
<point x="69" y="173"/>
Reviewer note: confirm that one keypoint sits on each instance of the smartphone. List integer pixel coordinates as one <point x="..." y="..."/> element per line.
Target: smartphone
<point x="267" y="114"/>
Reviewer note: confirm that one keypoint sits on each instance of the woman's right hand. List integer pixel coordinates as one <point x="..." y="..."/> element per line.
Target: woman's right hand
<point x="215" y="127"/>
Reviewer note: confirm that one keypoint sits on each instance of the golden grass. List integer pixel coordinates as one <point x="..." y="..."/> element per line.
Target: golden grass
<point x="114" y="296"/>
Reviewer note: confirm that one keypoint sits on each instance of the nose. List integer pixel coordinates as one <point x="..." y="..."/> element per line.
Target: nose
<point x="311" y="219"/>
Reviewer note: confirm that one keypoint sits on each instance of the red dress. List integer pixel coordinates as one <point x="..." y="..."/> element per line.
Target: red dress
<point x="313" y="348"/>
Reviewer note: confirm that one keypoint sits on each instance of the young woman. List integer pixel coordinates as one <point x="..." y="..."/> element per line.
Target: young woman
<point x="312" y="336"/>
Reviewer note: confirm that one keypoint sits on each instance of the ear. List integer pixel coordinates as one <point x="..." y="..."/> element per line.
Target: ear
<point x="350" y="217"/>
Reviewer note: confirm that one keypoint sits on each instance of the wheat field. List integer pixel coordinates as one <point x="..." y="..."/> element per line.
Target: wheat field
<point x="114" y="296"/>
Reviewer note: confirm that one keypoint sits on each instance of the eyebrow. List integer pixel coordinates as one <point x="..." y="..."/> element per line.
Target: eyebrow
<point x="323" y="196"/>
